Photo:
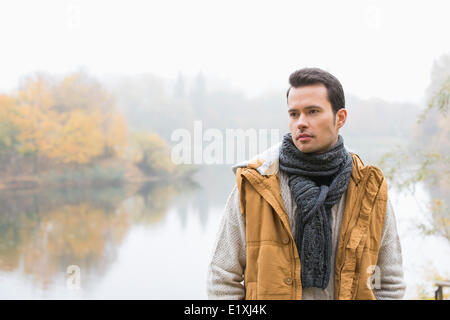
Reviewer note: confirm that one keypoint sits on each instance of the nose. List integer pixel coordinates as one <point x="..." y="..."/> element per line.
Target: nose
<point x="301" y="122"/>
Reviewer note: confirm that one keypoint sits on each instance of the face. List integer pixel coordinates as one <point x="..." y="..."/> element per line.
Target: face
<point x="312" y="123"/>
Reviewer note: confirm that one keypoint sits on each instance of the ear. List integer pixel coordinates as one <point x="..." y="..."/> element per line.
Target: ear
<point x="341" y="117"/>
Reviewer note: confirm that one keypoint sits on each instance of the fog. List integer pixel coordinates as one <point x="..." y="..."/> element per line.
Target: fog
<point x="92" y="92"/>
<point x="380" y="49"/>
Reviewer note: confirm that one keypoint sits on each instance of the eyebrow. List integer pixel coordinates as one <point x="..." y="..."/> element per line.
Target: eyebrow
<point x="308" y="107"/>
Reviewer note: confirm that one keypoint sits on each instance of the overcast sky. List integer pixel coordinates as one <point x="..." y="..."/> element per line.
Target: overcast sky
<point x="376" y="48"/>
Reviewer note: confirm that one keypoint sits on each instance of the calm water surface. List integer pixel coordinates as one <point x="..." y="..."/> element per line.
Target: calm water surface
<point x="152" y="242"/>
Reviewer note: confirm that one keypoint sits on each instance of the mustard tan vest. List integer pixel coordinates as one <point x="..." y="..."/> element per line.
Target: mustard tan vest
<point x="273" y="264"/>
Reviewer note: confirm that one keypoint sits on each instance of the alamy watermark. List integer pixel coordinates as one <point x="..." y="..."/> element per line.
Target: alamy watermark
<point x="373" y="17"/>
<point x="73" y="281"/>
<point x="374" y="281"/>
<point x="214" y="146"/>
<point x="73" y="16"/>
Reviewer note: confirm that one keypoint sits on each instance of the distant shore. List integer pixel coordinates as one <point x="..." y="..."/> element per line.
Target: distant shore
<point x="115" y="174"/>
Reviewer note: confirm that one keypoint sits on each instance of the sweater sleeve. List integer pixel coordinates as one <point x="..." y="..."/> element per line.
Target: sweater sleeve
<point x="391" y="283"/>
<point x="226" y="269"/>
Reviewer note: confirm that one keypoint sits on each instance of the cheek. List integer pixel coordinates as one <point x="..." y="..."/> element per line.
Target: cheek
<point x="291" y="124"/>
<point x="326" y="124"/>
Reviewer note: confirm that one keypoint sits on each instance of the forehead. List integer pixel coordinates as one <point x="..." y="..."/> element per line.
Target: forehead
<point x="301" y="97"/>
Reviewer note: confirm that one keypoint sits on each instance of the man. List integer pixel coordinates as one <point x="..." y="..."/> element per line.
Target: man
<point x="307" y="219"/>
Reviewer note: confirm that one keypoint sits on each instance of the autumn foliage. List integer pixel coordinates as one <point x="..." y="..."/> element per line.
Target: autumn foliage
<point x="73" y="120"/>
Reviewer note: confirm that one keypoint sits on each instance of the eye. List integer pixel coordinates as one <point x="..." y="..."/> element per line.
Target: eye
<point x="313" y="111"/>
<point x="293" y="114"/>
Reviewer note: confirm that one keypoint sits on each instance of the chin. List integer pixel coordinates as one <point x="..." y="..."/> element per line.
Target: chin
<point x="305" y="149"/>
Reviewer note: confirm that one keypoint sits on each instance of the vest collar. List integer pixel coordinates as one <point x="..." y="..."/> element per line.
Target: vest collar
<point x="267" y="163"/>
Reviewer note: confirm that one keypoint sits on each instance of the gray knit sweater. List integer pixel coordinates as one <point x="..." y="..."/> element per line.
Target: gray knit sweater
<point x="226" y="269"/>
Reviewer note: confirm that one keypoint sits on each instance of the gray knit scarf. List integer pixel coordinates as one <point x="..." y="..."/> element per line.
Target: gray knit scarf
<point x="317" y="182"/>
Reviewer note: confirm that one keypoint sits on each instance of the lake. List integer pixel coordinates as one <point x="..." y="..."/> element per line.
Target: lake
<point x="154" y="241"/>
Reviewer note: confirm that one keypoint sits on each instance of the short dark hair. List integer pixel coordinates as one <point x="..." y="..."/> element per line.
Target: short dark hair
<point x="311" y="76"/>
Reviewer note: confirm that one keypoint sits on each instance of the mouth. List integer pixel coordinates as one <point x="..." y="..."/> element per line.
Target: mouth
<point x="304" y="137"/>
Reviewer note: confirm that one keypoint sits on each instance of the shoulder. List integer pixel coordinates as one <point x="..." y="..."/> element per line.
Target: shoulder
<point x="371" y="175"/>
<point x="360" y="169"/>
<point x="265" y="163"/>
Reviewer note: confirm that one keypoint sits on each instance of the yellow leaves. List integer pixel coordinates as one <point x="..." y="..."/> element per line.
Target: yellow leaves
<point x="150" y="152"/>
<point x="79" y="91"/>
<point x="78" y="139"/>
<point x="35" y="124"/>
<point x="8" y="131"/>
<point x="36" y="91"/>
<point x="7" y="104"/>
<point x="115" y="134"/>
<point x="72" y="120"/>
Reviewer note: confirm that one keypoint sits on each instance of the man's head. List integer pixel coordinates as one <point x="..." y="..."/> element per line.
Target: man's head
<point x="316" y="108"/>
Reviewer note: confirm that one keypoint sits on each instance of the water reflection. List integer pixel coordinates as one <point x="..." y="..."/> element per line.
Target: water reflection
<point x="42" y="232"/>
<point x="143" y="241"/>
